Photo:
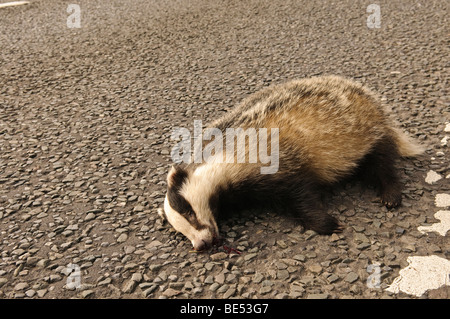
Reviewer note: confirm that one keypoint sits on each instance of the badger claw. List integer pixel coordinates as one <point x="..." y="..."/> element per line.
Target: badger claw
<point x="162" y="215"/>
<point x="339" y="229"/>
<point x="390" y="204"/>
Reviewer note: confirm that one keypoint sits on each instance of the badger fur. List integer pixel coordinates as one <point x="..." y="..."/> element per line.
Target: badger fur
<point x="329" y="127"/>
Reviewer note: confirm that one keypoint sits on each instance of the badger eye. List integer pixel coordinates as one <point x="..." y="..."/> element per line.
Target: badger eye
<point x="189" y="212"/>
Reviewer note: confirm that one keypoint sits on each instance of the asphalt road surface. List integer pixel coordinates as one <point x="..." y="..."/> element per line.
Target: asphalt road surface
<point x="90" y="92"/>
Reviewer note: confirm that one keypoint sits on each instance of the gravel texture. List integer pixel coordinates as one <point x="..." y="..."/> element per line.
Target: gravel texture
<point x="86" y="116"/>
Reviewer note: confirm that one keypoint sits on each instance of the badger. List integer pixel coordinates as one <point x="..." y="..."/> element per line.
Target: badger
<point x="329" y="127"/>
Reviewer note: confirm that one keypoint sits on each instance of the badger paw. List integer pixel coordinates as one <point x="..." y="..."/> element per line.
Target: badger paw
<point x="391" y="200"/>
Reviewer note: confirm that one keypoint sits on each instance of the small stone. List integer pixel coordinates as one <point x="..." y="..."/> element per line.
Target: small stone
<point x="21" y="286"/>
<point x="30" y="293"/>
<point x="361" y="238"/>
<point x="230" y="278"/>
<point x="155" y="267"/>
<point x="332" y="278"/>
<point x="188" y="285"/>
<point x="129" y="286"/>
<point x="315" y="268"/>
<point x="265" y="290"/>
<point x="218" y="256"/>
<point x="176" y="285"/>
<point x="220" y="278"/>
<point x="282" y="274"/>
<point x="137" y="277"/>
<point x="66" y="245"/>
<point x="351" y="277"/>
<point x="282" y="244"/>
<point x="281" y="265"/>
<point x="250" y="256"/>
<point x="229" y="293"/>
<point x="32" y="261"/>
<point x="89" y="216"/>
<point x="129" y="249"/>
<point x="104" y="282"/>
<point x="154" y="243"/>
<point x="359" y="229"/>
<point x="214" y="287"/>
<point x="171" y="292"/>
<point x="363" y="246"/>
<point x="163" y="275"/>
<point x="296" y="291"/>
<point x="54" y="278"/>
<point x="299" y="257"/>
<point x="122" y="238"/>
<point x="129" y="266"/>
<point x="3" y="281"/>
<point x="209" y="279"/>
<point x="209" y="266"/>
<point x="86" y="293"/>
<point x="69" y="178"/>
<point x="79" y="184"/>
<point x="257" y="278"/>
<point x="310" y="234"/>
<point x="147" y="292"/>
<point x="334" y="237"/>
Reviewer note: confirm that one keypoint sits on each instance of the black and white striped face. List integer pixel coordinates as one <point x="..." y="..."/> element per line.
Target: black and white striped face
<point x="186" y="208"/>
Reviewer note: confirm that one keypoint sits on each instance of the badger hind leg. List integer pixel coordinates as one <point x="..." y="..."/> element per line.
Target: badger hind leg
<point x="378" y="168"/>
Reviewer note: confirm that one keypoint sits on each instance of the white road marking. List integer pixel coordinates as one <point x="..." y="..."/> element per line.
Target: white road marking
<point x="422" y="274"/>
<point x="442" y="200"/>
<point x="13" y="4"/>
<point x="442" y="228"/>
<point x="432" y="177"/>
<point x="447" y="127"/>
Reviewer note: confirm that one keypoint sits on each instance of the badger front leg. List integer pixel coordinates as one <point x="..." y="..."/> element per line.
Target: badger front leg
<point x="320" y="222"/>
<point x="306" y="206"/>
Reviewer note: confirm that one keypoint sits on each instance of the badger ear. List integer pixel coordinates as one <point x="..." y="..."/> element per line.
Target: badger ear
<point x="176" y="176"/>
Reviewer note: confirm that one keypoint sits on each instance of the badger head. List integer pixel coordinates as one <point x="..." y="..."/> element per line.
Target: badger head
<point x="187" y="206"/>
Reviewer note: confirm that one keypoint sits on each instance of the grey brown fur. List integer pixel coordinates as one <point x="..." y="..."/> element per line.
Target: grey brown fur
<point x="329" y="128"/>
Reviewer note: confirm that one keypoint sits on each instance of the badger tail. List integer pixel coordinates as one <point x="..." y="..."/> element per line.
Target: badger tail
<point x="406" y="147"/>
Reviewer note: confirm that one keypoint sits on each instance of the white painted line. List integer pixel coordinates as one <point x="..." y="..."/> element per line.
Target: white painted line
<point x="13" y="4"/>
<point x="442" y="228"/>
<point x="447" y="128"/>
<point x="432" y="177"/>
<point x="423" y="273"/>
<point x="442" y="200"/>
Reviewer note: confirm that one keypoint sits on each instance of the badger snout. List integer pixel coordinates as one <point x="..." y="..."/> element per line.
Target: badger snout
<point x="203" y="243"/>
